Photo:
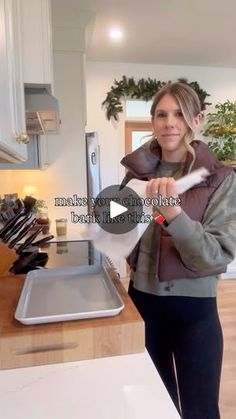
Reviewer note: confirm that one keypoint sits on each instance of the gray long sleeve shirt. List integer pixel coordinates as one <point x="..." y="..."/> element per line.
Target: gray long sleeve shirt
<point x="200" y="245"/>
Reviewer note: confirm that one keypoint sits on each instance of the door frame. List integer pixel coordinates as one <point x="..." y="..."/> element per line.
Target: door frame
<point x="131" y="126"/>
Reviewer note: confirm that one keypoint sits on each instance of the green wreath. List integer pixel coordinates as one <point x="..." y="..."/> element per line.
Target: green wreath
<point x="142" y="89"/>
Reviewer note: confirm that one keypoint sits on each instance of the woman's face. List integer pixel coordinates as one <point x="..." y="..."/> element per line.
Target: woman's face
<point x="169" y="124"/>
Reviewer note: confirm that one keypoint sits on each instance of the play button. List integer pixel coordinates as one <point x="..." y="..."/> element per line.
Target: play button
<point x="118" y="211"/>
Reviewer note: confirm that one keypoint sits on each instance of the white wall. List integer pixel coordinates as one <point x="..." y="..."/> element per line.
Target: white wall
<point x="220" y="83"/>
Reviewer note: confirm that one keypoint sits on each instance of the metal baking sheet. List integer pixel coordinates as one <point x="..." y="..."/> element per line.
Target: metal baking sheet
<point x="54" y="295"/>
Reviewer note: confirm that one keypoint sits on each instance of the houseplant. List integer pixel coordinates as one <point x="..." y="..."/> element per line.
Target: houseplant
<point x="220" y="127"/>
<point x="41" y="214"/>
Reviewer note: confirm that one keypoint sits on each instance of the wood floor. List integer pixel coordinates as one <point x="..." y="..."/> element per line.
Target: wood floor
<point x="227" y="312"/>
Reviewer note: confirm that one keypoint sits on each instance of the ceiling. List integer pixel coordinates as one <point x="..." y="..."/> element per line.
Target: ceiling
<point x="175" y="32"/>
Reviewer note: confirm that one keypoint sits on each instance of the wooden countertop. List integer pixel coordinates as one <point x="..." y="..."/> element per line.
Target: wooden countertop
<point x="22" y="345"/>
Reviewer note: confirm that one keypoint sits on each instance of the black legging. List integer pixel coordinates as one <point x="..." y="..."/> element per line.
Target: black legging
<point x="189" y="330"/>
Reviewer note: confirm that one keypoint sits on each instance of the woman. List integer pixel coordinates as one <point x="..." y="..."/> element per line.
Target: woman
<point x="174" y="266"/>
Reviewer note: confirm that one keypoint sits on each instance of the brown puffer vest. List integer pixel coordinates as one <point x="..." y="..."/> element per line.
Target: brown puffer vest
<point x="142" y="164"/>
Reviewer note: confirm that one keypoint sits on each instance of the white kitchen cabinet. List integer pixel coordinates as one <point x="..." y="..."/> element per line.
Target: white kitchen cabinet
<point x="36" y="41"/>
<point x="38" y="156"/>
<point x="12" y="109"/>
<point x="25" y="57"/>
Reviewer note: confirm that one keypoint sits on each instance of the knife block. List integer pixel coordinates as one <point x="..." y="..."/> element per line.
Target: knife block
<point x="7" y="257"/>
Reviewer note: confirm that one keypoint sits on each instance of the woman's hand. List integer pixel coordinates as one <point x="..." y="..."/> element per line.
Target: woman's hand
<point x="165" y="190"/>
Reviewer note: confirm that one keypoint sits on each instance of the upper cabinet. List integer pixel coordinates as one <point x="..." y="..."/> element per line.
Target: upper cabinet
<point x="12" y="111"/>
<point x="26" y="58"/>
<point x="36" y="41"/>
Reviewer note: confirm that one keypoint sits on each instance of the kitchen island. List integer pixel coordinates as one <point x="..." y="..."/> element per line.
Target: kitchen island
<point x="64" y="341"/>
<point x="111" y="386"/>
<point x="119" y="387"/>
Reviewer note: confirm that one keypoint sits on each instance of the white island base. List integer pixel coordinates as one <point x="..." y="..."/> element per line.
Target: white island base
<point x="118" y="387"/>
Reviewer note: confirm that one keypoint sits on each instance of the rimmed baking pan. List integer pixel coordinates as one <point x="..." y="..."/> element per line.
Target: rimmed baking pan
<point x="72" y="293"/>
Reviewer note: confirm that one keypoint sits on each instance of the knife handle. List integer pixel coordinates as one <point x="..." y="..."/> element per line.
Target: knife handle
<point x="28" y="203"/>
<point x="29" y="240"/>
<point x="16" y="228"/>
<point x="8" y="226"/>
<point x="42" y="241"/>
<point x="22" y="233"/>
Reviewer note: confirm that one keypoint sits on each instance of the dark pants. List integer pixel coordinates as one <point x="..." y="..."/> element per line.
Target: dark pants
<point x="185" y="331"/>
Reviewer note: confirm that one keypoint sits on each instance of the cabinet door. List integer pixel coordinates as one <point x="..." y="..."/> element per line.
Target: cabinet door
<point x="36" y="41"/>
<point x="12" y="113"/>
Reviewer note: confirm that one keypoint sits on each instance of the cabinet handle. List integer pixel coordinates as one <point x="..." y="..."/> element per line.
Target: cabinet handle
<point x="46" y="348"/>
<point x="22" y="138"/>
<point x="93" y="158"/>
